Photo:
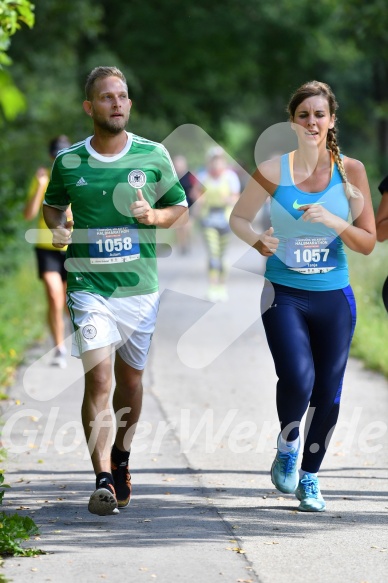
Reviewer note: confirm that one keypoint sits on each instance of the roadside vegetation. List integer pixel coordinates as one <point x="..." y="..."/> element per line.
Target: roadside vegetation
<point x="22" y="317"/>
<point x="367" y="274"/>
<point x="14" y="529"/>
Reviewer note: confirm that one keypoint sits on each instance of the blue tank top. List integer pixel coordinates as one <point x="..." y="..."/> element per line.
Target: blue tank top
<point x="310" y="255"/>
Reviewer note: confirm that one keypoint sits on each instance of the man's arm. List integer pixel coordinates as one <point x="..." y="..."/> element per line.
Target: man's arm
<point x="59" y="224"/>
<point x="169" y="217"/>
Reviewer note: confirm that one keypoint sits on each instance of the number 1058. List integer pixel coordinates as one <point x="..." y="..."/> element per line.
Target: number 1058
<point x="116" y="244"/>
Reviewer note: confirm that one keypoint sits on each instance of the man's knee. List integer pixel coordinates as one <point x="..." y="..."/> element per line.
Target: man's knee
<point x="131" y="384"/>
<point x="98" y="381"/>
<point x="128" y="379"/>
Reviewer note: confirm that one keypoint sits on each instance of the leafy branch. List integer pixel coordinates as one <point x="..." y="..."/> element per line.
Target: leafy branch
<point x="12" y="14"/>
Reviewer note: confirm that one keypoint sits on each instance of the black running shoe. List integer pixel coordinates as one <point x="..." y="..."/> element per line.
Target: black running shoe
<point x="103" y="501"/>
<point x="122" y="480"/>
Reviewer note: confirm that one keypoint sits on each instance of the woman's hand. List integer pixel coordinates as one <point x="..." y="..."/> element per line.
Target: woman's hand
<point x="267" y="244"/>
<point x="42" y="176"/>
<point x="316" y="213"/>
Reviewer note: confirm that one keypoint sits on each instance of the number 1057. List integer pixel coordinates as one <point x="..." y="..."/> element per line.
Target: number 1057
<point x="309" y="256"/>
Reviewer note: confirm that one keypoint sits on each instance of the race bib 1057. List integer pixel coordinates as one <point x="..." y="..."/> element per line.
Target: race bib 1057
<point x="311" y="254"/>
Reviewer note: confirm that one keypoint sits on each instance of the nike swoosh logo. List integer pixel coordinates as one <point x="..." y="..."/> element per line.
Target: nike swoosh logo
<point x="297" y="206"/>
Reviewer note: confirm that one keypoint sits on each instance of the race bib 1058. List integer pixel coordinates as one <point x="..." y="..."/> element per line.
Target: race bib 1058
<point x="110" y="245"/>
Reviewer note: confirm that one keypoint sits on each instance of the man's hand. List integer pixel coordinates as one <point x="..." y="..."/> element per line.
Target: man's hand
<point x="62" y="234"/>
<point x="142" y="211"/>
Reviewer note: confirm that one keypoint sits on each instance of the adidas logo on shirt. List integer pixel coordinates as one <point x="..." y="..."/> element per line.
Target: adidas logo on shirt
<point x="81" y="182"/>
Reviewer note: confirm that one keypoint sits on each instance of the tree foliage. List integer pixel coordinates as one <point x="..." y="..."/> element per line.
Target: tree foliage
<point x="12" y="14"/>
<point x="196" y="63"/>
<point x="221" y="66"/>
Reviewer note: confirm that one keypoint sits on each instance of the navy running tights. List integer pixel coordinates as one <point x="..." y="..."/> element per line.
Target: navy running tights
<point x="309" y="335"/>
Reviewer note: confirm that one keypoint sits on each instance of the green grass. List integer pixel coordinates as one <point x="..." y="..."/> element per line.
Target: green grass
<point x="22" y="317"/>
<point x="367" y="275"/>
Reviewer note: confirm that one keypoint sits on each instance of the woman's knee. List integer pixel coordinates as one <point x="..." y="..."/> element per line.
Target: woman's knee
<point x="296" y="381"/>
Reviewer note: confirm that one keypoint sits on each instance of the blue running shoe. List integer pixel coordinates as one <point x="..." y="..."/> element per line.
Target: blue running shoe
<point x="309" y="494"/>
<point x="284" y="474"/>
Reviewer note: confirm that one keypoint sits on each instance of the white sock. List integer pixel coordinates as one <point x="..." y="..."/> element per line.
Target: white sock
<point x="303" y="473"/>
<point x="285" y="446"/>
<point x="61" y="350"/>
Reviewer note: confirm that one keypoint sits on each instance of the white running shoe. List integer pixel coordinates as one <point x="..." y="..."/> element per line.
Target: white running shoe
<point x="59" y="359"/>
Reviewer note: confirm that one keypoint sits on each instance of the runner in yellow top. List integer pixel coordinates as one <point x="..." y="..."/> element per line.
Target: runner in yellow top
<point x="217" y="191"/>
<point x="50" y="260"/>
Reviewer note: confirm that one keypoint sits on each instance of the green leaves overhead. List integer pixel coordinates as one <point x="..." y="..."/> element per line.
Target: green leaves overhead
<point x="12" y="14"/>
<point x="12" y="101"/>
<point x="200" y="63"/>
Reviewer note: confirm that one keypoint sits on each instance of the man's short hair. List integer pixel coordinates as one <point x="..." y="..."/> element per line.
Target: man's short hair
<point x="101" y="73"/>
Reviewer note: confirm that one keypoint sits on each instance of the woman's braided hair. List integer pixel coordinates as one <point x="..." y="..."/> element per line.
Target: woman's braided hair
<point x="312" y="89"/>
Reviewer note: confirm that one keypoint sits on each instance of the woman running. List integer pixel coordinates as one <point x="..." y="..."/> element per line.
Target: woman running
<point x="308" y="307"/>
<point x="50" y="261"/>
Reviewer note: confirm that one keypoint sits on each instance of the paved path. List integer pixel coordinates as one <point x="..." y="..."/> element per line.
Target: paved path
<point x="203" y="507"/>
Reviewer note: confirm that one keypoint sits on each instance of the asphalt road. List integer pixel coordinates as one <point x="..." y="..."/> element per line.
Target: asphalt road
<point x="203" y="506"/>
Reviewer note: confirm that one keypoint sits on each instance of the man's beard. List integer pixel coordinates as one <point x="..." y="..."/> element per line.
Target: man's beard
<point x="113" y="127"/>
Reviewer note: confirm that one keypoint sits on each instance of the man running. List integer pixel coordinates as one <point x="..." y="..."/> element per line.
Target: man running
<point x="120" y="187"/>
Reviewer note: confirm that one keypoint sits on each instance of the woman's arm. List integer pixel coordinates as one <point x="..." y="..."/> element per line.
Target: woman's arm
<point x="360" y="236"/>
<point x="35" y="201"/>
<point x="248" y="205"/>
<point x="382" y="218"/>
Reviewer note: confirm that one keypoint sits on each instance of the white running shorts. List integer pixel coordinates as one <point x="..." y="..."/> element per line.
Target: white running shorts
<point x="127" y="323"/>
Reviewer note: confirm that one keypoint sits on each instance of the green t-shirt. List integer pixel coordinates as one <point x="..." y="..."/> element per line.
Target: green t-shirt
<point x="112" y="253"/>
